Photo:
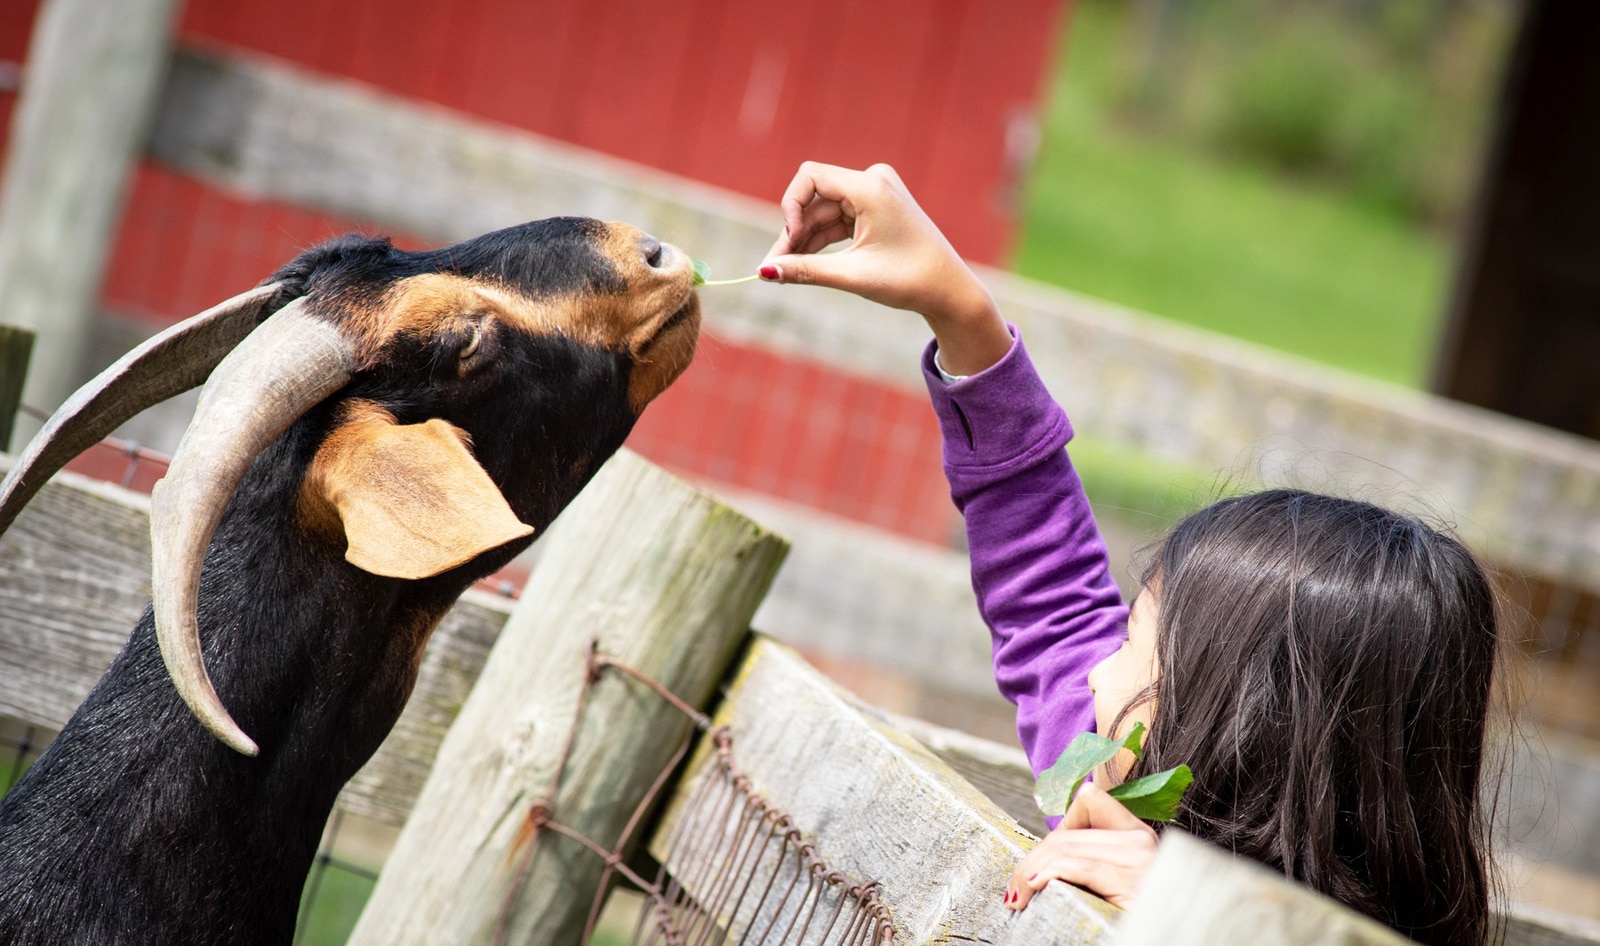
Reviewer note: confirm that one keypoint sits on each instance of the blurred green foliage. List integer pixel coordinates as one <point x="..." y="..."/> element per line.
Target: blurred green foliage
<point x="1259" y="168"/>
<point x="1387" y="99"/>
<point x="1284" y="171"/>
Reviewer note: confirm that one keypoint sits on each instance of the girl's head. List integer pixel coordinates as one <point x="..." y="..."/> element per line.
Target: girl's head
<point x="1324" y="668"/>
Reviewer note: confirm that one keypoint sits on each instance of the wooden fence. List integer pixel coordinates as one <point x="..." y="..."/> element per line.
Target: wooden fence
<point x="880" y="798"/>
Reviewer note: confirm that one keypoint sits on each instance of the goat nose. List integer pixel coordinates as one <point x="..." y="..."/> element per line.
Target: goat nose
<point x="651" y="247"/>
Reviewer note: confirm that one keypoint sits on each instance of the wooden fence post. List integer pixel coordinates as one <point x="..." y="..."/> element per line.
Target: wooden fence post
<point x="1195" y="894"/>
<point x="665" y="580"/>
<point x="15" y="345"/>
<point x="89" y="90"/>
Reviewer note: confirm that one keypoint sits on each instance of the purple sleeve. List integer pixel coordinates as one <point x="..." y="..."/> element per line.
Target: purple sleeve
<point x="1039" y="565"/>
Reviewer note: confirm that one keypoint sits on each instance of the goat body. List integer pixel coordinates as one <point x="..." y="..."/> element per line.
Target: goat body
<point x="137" y="825"/>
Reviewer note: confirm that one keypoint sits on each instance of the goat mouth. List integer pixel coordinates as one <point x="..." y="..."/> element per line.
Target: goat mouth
<point x="689" y="309"/>
<point x="685" y="320"/>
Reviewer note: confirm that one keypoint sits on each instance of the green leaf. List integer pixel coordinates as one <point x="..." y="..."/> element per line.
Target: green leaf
<point x="1056" y="786"/>
<point x="1134" y="740"/>
<point x="702" y="277"/>
<point x="1155" y="797"/>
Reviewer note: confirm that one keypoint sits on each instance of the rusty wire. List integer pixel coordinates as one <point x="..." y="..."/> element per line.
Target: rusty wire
<point x="740" y="860"/>
<point x="135" y="452"/>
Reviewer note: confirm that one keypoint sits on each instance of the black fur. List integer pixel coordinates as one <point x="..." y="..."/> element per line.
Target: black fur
<point x="137" y="826"/>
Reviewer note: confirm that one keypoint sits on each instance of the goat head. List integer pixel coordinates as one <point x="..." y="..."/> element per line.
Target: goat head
<point x="448" y="403"/>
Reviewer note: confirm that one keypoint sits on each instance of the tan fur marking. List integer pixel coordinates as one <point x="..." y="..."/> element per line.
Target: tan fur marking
<point x="631" y="321"/>
<point x="410" y="499"/>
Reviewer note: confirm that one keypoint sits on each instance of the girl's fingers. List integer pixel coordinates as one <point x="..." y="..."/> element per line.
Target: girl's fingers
<point x="1109" y="862"/>
<point x="1120" y="848"/>
<point x="1093" y="808"/>
<point x="823" y="224"/>
<point x="898" y="258"/>
<point x="814" y="181"/>
<point x="834" y="270"/>
<point x="835" y="232"/>
<point x="1112" y="882"/>
<point x="811" y="220"/>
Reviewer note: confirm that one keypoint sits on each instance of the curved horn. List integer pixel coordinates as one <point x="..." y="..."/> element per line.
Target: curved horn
<point x="166" y="365"/>
<point x="290" y="363"/>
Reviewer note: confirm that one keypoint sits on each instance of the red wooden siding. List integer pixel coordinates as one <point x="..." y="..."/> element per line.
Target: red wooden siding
<point x="732" y="92"/>
<point x="185" y="246"/>
<point x="801" y="431"/>
<point x="16" y="26"/>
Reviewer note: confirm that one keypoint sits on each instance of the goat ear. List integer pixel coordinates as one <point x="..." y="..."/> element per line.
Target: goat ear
<point x="412" y="500"/>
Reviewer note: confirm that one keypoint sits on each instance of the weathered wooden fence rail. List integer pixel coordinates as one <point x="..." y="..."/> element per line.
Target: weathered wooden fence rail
<point x="879" y="804"/>
<point x="1526" y="496"/>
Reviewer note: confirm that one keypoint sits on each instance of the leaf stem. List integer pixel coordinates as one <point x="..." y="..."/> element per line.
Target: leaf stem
<point x="730" y="282"/>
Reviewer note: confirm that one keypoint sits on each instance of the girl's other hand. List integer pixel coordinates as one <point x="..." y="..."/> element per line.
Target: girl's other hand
<point x="1099" y="845"/>
<point x="898" y="258"/>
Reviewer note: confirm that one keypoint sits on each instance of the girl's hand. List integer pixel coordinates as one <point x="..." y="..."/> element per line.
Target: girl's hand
<point x="1099" y="845"/>
<point x="898" y="258"/>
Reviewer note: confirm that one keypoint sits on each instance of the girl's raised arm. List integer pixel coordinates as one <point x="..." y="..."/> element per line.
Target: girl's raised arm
<point x="1039" y="566"/>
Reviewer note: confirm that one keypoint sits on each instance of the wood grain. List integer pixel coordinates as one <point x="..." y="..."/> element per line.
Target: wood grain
<point x="653" y="573"/>
<point x="1196" y="894"/>
<point x="879" y="806"/>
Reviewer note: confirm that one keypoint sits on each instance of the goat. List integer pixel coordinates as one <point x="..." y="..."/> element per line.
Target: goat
<point x="381" y="428"/>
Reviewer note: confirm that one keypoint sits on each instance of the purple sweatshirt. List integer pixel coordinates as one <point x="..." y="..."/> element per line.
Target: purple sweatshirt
<point x="1039" y="565"/>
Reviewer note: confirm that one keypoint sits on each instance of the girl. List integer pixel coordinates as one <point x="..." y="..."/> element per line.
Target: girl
<point x="1322" y="665"/>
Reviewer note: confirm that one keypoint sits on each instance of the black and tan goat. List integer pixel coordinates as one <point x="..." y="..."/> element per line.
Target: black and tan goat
<point x="381" y="429"/>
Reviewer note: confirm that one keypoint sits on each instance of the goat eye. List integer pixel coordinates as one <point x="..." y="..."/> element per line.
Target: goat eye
<point x="471" y="347"/>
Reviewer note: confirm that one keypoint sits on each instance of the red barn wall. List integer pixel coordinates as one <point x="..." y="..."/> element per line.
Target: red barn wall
<point x="731" y="92"/>
<point x="735" y="94"/>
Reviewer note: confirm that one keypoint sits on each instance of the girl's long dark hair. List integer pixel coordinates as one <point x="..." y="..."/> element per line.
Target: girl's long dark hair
<point x="1325" y="672"/>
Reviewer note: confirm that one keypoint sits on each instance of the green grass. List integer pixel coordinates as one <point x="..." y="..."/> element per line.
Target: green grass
<point x="339" y="898"/>
<point x="1160" y="226"/>
<point x="6" y="781"/>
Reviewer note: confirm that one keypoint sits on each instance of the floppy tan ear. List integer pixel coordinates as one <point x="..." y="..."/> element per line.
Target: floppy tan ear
<point x="411" y="499"/>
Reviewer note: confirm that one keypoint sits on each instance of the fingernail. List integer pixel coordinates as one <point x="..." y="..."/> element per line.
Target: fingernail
<point x="1032" y="878"/>
<point x="771" y="273"/>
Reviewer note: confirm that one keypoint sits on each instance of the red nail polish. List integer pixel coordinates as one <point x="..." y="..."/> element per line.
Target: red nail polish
<point x="1032" y="878"/>
<point x="770" y="273"/>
